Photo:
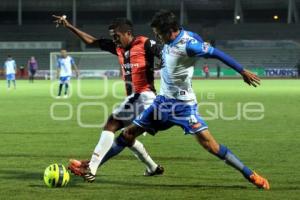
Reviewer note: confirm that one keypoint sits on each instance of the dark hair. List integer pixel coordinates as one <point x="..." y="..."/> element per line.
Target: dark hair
<point x="165" y="21"/>
<point x="9" y="56"/>
<point x="121" y="24"/>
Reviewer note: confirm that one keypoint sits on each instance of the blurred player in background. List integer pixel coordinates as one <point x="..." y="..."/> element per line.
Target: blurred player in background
<point x="10" y="68"/>
<point x="65" y="63"/>
<point x="32" y="66"/>
<point x="136" y="57"/>
<point x="177" y="102"/>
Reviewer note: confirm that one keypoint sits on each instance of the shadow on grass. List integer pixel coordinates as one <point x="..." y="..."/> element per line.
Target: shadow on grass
<point x="172" y="186"/>
<point x="119" y="157"/>
<point x="38" y="176"/>
<point x="22" y="175"/>
<point x="77" y="182"/>
<point x="35" y="133"/>
<point x="105" y="181"/>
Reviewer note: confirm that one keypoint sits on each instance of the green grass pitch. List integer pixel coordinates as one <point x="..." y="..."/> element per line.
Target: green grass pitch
<point x="30" y="140"/>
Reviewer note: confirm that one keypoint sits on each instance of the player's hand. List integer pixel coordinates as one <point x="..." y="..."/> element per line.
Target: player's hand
<point x="61" y="20"/>
<point x="250" y="78"/>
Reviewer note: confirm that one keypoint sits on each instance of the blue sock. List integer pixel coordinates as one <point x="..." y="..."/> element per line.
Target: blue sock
<point x="226" y="155"/>
<point x="118" y="146"/>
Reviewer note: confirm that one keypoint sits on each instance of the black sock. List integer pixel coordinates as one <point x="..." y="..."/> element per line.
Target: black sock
<point x="66" y="88"/>
<point x="60" y="88"/>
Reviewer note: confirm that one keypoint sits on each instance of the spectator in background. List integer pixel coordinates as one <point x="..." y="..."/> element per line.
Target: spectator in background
<point x="10" y="67"/>
<point x="298" y="67"/>
<point x="206" y="70"/>
<point x="32" y="66"/>
<point x="218" y="70"/>
<point x="22" y="71"/>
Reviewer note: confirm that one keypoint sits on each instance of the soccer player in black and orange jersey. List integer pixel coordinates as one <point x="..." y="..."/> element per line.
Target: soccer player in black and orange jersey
<point x="136" y="57"/>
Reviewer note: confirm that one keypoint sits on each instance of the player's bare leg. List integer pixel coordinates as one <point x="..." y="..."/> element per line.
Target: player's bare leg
<point x="210" y="144"/>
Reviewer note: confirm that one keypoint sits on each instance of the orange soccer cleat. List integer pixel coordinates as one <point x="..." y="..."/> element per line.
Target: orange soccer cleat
<point x="259" y="181"/>
<point x="78" y="167"/>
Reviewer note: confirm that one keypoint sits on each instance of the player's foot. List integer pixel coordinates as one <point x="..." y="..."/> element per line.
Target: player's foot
<point x="58" y="97"/>
<point x="88" y="176"/>
<point x="259" y="181"/>
<point x="81" y="168"/>
<point x="158" y="171"/>
<point x="66" y="96"/>
<point x="77" y="167"/>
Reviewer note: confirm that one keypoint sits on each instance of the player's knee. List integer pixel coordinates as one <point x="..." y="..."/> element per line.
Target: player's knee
<point x="128" y="137"/>
<point x="112" y="125"/>
<point x="130" y="133"/>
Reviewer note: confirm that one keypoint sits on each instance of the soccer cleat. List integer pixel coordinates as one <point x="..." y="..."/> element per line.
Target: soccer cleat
<point x="259" y="181"/>
<point x="78" y="167"/>
<point x="81" y="168"/>
<point x="65" y="96"/>
<point x="58" y="97"/>
<point x="158" y="171"/>
<point x="88" y="176"/>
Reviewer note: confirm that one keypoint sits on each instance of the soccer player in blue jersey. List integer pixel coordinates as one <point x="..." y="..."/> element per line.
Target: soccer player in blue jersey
<point x="64" y="71"/>
<point x="177" y="104"/>
<point x="10" y="67"/>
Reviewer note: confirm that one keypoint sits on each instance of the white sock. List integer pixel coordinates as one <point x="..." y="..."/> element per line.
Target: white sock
<point x="141" y="153"/>
<point x="103" y="146"/>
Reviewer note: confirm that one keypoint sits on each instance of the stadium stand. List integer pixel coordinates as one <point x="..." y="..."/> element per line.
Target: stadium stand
<point x="92" y="17"/>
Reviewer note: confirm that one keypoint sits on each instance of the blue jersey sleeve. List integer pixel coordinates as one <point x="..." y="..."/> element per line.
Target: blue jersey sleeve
<point x="226" y="59"/>
<point x="196" y="48"/>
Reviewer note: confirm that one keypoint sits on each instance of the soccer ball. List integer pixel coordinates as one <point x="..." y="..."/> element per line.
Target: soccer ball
<point x="56" y="175"/>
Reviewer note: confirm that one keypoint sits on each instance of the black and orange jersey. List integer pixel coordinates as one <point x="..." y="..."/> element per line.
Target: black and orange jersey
<point x="137" y="62"/>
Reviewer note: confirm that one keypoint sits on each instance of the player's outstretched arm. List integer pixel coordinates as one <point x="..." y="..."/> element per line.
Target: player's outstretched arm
<point x="250" y="78"/>
<point x="199" y="48"/>
<point x="85" y="37"/>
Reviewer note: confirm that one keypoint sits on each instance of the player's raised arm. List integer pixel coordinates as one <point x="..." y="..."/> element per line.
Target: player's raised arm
<point x="203" y="49"/>
<point x="104" y="44"/>
<point x="85" y="37"/>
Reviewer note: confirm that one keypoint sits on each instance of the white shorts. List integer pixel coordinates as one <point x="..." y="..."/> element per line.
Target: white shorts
<point x="132" y="106"/>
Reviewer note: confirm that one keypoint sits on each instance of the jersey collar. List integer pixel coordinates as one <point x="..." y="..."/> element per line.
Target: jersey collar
<point x="179" y="36"/>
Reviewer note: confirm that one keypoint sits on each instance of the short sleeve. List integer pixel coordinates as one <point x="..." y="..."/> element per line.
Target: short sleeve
<point x="196" y="48"/>
<point x="107" y="45"/>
